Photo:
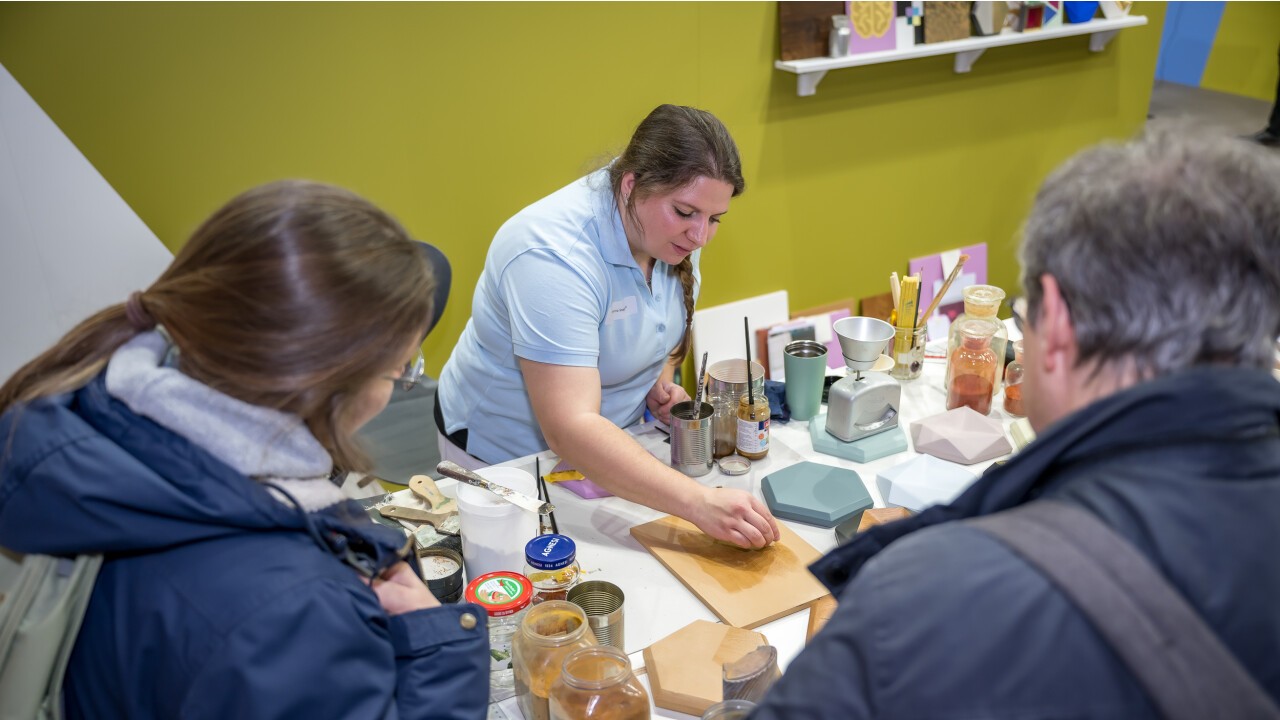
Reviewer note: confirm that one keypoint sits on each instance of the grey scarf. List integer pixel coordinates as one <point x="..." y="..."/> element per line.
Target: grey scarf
<point x="264" y="444"/>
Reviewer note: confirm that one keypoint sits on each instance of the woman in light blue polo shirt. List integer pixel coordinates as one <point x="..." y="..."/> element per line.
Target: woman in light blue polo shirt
<point x="582" y="314"/>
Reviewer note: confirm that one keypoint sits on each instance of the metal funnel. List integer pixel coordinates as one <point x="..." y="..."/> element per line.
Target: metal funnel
<point x="862" y="340"/>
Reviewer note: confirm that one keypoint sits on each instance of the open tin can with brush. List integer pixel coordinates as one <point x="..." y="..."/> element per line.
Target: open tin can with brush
<point x="442" y="570"/>
<point x="691" y="436"/>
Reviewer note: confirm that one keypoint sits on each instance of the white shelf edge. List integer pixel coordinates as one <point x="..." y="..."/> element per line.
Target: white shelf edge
<point x="810" y="71"/>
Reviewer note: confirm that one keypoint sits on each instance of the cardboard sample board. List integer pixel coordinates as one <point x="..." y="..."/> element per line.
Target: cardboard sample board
<point x="744" y="588"/>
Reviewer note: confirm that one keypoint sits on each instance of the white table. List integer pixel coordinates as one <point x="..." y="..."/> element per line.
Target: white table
<point x="657" y="604"/>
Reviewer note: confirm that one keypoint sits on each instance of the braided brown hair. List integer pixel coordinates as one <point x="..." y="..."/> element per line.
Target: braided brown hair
<point x="673" y="146"/>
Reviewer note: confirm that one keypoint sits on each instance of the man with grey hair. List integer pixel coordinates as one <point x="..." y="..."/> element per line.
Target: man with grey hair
<point x="1152" y="274"/>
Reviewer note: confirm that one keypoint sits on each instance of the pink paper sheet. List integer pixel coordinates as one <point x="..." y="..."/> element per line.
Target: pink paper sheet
<point x="583" y="488"/>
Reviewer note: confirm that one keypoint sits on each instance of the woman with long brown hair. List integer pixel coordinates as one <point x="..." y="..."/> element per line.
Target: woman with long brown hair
<point x="583" y="312"/>
<point x="189" y="435"/>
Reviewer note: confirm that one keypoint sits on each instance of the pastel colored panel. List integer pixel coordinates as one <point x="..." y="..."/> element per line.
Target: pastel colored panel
<point x="874" y="27"/>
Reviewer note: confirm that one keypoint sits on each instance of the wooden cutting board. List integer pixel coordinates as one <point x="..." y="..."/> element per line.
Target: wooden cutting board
<point x="686" y="668"/>
<point x="744" y="588"/>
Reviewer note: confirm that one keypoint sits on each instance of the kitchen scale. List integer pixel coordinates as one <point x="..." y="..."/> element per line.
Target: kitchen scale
<point x="861" y="422"/>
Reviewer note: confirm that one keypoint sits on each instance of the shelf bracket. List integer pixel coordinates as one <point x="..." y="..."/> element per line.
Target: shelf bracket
<point x="1098" y="41"/>
<point x="966" y="59"/>
<point x="807" y="83"/>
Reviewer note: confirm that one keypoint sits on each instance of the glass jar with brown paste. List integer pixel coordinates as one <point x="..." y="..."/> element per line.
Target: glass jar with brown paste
<point x="550" y="631"/>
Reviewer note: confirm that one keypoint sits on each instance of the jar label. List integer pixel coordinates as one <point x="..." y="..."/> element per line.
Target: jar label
<point x="501" y="635"/>
<point x="498" y="591"/>
<point x="753" y="435"/>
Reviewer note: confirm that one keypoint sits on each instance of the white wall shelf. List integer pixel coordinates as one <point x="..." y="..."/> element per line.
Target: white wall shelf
<point x="810" y="71"/>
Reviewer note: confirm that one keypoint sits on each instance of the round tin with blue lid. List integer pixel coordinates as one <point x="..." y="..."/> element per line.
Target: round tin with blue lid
<point x="550" y="552"/>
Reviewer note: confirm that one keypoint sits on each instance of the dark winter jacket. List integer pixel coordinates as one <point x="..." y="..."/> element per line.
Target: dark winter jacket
<point x="936" y="619"/>
<point x="218" y="600"/>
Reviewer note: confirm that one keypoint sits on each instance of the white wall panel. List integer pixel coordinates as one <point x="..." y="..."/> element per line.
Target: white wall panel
<point x="69" y="245"/>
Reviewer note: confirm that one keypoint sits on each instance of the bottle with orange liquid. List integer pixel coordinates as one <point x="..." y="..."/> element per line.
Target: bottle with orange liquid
<point x="1013" y="383"/>
<point x="980" y="301"/>
<point x="971" y="372"/>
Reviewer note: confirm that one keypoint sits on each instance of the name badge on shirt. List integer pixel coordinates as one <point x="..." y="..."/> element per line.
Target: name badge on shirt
<point x="623" y="308"/>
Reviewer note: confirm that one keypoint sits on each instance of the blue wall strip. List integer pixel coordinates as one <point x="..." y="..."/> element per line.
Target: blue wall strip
<point x="1189" y="29"/>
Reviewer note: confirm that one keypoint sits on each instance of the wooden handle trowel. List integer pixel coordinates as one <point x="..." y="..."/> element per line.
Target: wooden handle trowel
<point x="444" y="523"/>
<point x="425" y="488"/>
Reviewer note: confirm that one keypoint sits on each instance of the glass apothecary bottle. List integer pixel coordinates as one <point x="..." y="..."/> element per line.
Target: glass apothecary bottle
<point x="753" y="426"/>
<point x="550" y="631"/>
<point x="1013" y="383"/>
<point x="983" y="302"/>
<point x="551" y="564"/>
<point x="596" y="683"/>
<point x="972" y="367"/>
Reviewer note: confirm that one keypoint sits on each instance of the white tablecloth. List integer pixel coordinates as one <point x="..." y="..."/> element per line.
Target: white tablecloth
<point x="656" y="603"/>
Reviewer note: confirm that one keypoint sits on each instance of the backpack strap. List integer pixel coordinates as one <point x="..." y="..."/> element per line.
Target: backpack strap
<point x="42" y="605"/>
<point x="1184" y="667"/>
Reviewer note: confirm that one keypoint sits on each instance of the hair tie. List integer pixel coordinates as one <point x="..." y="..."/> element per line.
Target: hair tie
<point x="137" y="314"/>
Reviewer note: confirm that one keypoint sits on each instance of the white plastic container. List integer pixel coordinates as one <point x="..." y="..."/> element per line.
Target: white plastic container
<point x="494" y="531"/>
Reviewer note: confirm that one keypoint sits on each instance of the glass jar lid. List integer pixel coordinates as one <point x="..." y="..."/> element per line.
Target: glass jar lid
<point x="550" y="552"/>
<point x="734" y="465"/>
<point x="500" y="593"/>
<point x="976" y="328"/>
<point x="982" y="300"/>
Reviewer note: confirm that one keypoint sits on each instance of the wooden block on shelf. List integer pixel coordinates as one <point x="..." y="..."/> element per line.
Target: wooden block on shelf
<point x="686" y="667"/>
<point x="880" y="516"/>
<point x="878" y="306"/>
<point x="819" y="613"/>
<point x="945" y="21"/>
<point x="804" y="27"/>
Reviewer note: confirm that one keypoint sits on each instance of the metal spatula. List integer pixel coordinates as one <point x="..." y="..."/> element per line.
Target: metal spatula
<point x="457" y="472"/>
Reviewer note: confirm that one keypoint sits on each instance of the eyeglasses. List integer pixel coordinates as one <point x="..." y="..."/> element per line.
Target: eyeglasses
<point x="1018" y="308"/>
<point x="411" y="374"/>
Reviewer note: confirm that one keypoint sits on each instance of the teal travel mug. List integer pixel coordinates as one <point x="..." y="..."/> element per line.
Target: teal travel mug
<point x="804" y="367"/>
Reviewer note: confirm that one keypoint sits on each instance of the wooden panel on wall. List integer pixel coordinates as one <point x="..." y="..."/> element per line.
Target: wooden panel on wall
<point x="804" y="27"/>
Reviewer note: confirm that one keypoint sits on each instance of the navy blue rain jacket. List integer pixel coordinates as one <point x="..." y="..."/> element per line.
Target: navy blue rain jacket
<point x="215" y="599"/>
<point x="937" y="619"/>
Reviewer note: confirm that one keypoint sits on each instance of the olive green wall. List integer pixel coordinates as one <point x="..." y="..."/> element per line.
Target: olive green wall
<point x="1243" y="58"/>
<point x="454" y="115"/>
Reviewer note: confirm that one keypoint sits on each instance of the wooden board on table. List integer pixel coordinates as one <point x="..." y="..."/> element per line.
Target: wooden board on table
<point x="819" y="614"/>
<point x="882" y="516"/>
<point x="744" y="588"/>
<point x="686" y="668"/>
